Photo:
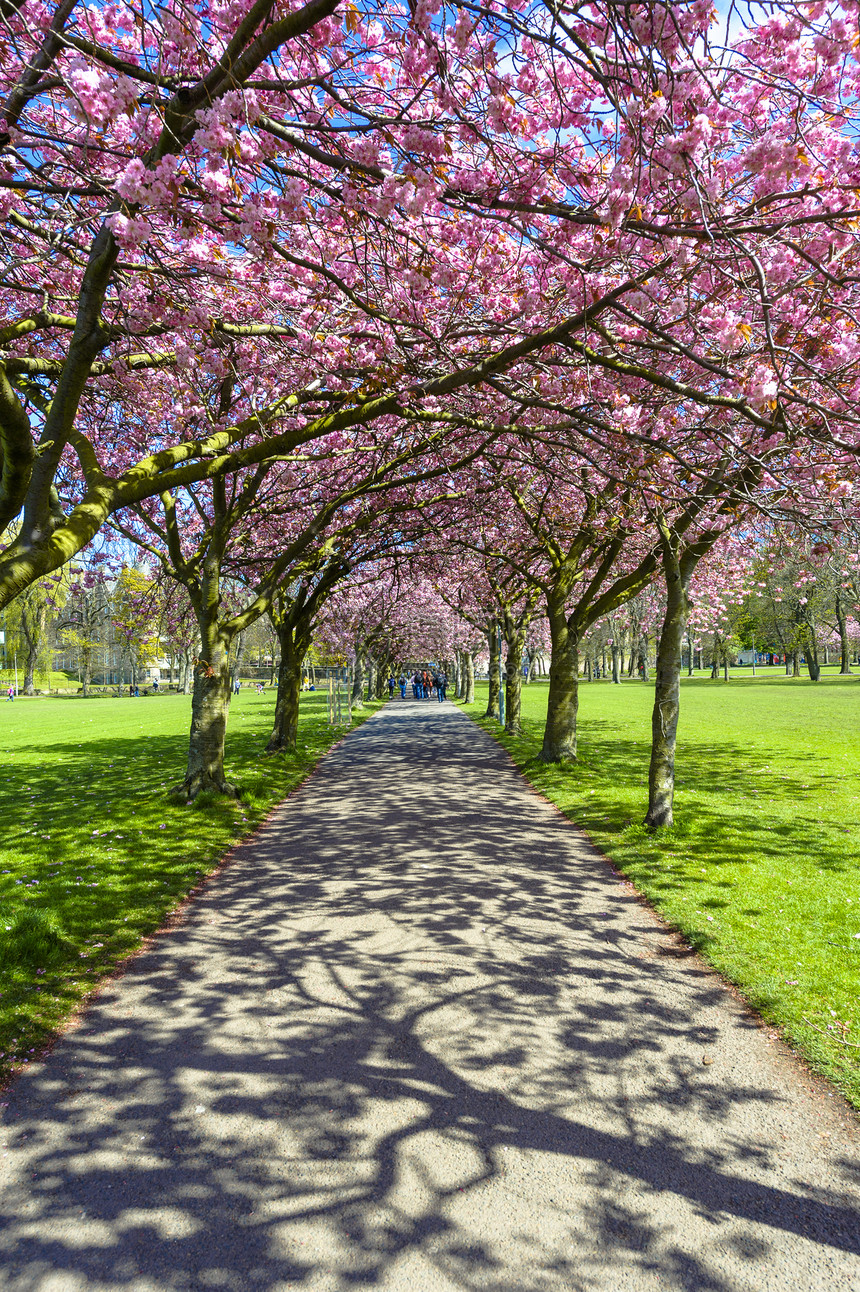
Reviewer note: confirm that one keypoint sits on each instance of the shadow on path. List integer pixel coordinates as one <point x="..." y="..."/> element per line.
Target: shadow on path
<point x="417" y="1036"/>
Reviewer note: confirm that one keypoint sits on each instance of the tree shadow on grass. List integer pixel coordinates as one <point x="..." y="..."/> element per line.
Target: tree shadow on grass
<point x="416" y="1035"/>
<point x="718" y="777"/>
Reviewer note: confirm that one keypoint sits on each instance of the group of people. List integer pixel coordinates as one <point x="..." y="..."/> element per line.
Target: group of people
<point x="424" y="684"/>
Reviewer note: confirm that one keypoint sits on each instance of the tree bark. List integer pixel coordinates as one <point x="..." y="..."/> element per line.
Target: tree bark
<point x="667" y="692"/>
<point x="616" y="674"/>
<point x="285" y="728"/>
<point x="210" y="699"/>
<point x="468" y="677"/>
<point x="33" y="616"/>
<point x="643" y="656"/>
<point x="210" y="705"/>
<point x="495" y="670"/>
<point x="514" y="685"/>
<point x="358" y="680"/>
<point x="86" y="670"/>
<point x="559" y="737"/>
<point x="237" y="659"/>
<point x="812" y="663"/>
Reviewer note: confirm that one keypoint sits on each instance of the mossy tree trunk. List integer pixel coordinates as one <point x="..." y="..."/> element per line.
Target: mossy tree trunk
<point x="34" y="611"/>
<point x="292" y="614"/>
<point x="844" y="646"/>
<point x="358" y="678"/>
<point x="210" y="697"/>
<point x="495" y="669"/>
<point x="514" y="683"/>
<point x="679" y="565"/>
<point x="285" y="728"/>
<point x="468" y="677"/>
<point x="810" y="647"/>
<point x="210" y="706"/>
<point x="643" y="656"/>
<point x="667" y="689"/>
<point x="559" y="737"/>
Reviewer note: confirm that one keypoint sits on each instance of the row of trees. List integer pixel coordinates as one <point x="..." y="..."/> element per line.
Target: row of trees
<point x="543" y="306"/>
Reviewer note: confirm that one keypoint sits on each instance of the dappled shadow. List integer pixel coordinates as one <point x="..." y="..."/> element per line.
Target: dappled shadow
<point x="417" y="1035"/>
<point x="712" y="773"/>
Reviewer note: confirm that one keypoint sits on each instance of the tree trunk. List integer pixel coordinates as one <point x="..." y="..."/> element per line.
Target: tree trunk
<point x="795" y="663"/>
<point x="30" y="667"/>
<point x="559" y="737"/>
<point x="33" y="616"/>
<point x="643" y="657"/>
<point x="285" y="728"/>
<point x="358" y="681"/>
<point x="210" y="699"/>
<point x="86" y="670"/>
<point x="210" y="705"/>
<point x="812" y="663"/>
<point x="380" y="680"/>
<point x="237" y="659"/>
<point x="495" y="670"/>
<point x="844" y="650"/>
<point x="514" y="686"/>
<point x="589" y="677"/>
<point x="468" y="677"/>
<point x="631" y="665"/>
<point x="667" y="693"/>
<point x="616" y="673"/>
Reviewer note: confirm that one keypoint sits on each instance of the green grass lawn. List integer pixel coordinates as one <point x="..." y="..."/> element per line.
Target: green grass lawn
<point x="761" y="873"/>
<point x="42" y="680"/>
<point x="93" y="855"/>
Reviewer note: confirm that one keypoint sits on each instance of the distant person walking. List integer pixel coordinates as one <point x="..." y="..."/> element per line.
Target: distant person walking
<point x="10" y="694"/>
<point x="401" y="682"/>
<point x="417" y="686"/>
<point x="441" y="686"/>
<point x="391" y="686"/>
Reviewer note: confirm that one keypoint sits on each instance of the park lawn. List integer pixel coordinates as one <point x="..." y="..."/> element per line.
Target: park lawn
<point x="93" y="854"/>
<point x="761" y="872"/>
<point x="66" y="681"/>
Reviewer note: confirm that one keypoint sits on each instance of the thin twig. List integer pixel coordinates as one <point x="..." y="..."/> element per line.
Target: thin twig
<point x="840" y="1039"/>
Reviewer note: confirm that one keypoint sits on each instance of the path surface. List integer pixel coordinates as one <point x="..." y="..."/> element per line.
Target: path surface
<point x="417" y="1038"/>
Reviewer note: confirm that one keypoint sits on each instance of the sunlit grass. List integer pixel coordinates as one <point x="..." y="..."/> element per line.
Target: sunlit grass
<point x="761" y="872"/>
<point x="93" y="854"/>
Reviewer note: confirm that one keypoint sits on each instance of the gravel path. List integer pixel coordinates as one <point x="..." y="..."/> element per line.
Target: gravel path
<point x="416" y="1037"/>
